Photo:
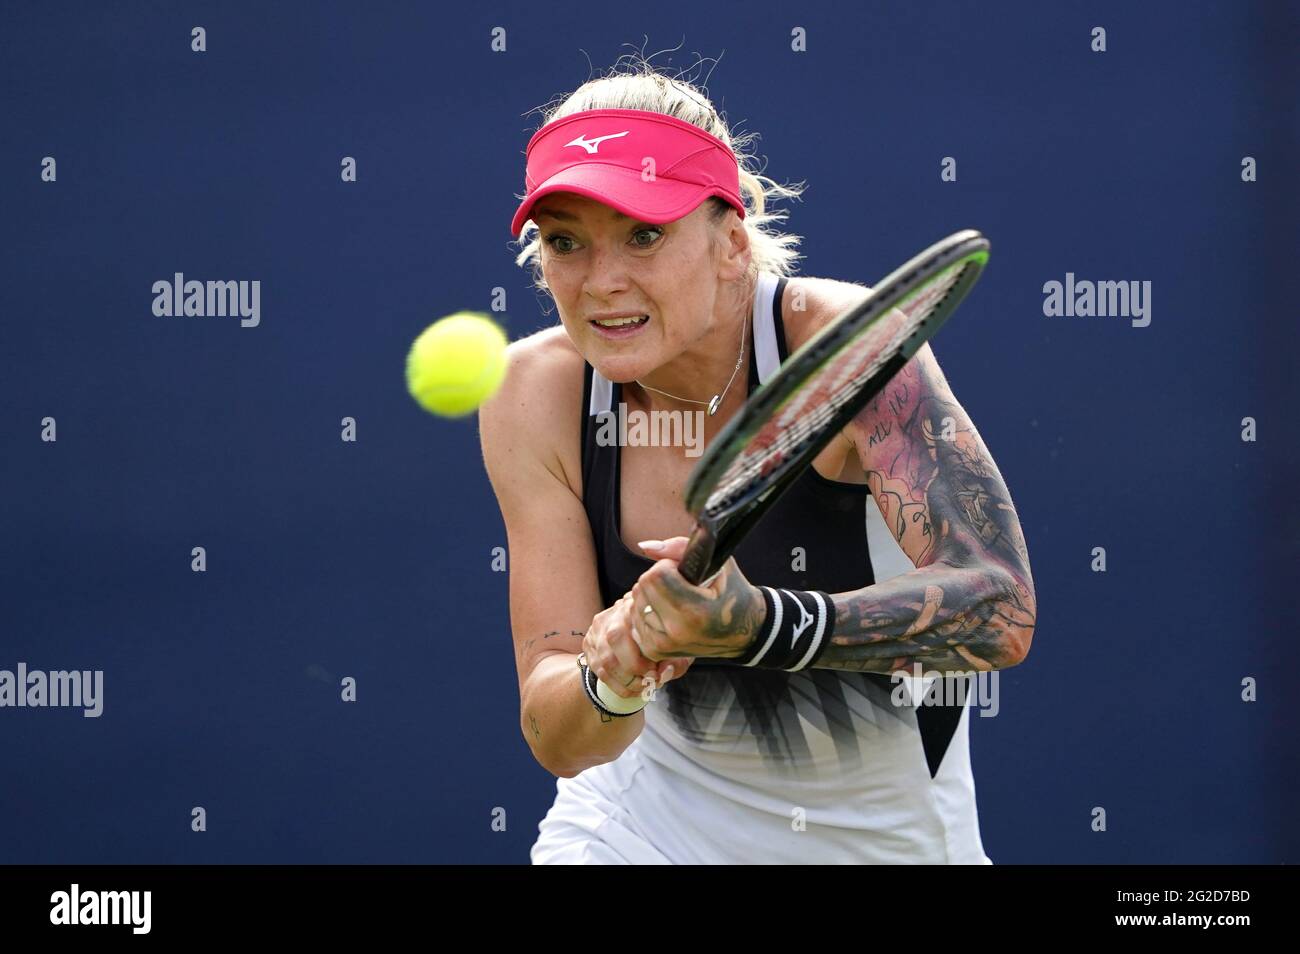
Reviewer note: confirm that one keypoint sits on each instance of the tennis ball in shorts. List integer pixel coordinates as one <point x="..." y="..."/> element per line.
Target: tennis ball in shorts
<point x="457" y="363"/>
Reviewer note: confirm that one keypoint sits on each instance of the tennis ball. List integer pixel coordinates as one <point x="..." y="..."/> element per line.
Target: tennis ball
<point x="456" y="363"/>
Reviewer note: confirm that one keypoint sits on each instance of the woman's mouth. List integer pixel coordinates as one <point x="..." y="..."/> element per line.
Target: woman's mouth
<point x="620" y="327"/>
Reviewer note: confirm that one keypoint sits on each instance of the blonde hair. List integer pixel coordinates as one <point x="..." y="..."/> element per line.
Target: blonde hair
<point x="641" y="86"/>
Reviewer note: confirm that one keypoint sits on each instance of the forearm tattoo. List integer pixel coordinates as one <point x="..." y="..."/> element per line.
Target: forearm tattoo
<point x="970" y="604"/>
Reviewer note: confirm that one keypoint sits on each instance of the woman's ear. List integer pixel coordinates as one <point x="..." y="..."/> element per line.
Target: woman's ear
<point x="732" y="245"/>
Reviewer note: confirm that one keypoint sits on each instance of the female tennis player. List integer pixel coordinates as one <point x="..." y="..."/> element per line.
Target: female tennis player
<point x="646" y="224"/>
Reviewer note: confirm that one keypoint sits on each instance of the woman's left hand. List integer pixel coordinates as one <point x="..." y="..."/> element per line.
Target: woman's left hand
<point x="719" y="619"/>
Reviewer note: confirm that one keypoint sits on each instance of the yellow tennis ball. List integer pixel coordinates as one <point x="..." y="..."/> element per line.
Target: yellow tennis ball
<point x="456" y="363"/>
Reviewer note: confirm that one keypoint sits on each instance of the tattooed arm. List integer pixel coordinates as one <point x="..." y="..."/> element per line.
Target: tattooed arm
<point x="970" y="603"/>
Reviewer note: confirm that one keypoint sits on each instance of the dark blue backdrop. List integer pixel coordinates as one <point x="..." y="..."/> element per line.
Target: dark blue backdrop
<point x="372" y="559"/>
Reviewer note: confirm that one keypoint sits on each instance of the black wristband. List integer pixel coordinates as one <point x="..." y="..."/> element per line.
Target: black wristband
<point x="795" y="633"/>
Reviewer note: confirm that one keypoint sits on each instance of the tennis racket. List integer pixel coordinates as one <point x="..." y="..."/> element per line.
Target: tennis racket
<point x="761" y="451"/>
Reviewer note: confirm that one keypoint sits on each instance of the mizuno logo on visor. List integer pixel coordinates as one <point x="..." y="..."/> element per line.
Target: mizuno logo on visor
<point x="591" y="145"/>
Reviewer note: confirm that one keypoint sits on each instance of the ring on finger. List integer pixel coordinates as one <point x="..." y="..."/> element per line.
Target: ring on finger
<point x="645" y="613"/>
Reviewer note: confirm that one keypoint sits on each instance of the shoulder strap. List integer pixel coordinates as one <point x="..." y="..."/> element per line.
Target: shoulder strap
<point x="769" y="330"/>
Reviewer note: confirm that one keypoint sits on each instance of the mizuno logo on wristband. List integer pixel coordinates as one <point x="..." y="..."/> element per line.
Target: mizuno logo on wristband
<point x="805" y="618"/>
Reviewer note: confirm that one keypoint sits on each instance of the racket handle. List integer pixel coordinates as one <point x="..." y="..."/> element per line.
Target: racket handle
<point x="694" y="564"/>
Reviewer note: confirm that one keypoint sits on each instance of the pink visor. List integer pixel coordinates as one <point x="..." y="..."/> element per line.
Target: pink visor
<point x="652" y="167"/>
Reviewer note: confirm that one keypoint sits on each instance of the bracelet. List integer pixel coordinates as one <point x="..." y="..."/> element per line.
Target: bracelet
<point x="796" y="631"/>
<point x="602" y="698"/>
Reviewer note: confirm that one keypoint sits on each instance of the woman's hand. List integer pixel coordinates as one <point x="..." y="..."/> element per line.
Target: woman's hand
<point x="613" y="655"/>
<point x="718" y="619"/>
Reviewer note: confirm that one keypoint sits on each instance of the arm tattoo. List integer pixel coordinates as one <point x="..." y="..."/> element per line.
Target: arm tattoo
<point x="948" y="619"/>
<point x="737" y="615"/>
<point x="970" y="604"/>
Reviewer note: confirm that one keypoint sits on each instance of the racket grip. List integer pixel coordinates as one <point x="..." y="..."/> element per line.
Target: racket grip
<point x="694" y="564"/>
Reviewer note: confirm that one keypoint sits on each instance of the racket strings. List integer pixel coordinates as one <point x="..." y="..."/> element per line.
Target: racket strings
<point x="812" y="408"/>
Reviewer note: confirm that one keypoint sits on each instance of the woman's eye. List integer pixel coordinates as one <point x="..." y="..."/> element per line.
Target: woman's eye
<point x="553" y="240"/>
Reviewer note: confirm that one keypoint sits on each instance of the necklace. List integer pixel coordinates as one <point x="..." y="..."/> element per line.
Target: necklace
<point x="716" y="402"/>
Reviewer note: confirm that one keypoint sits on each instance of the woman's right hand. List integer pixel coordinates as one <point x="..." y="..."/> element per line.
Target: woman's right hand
<point x="614" y="656"/>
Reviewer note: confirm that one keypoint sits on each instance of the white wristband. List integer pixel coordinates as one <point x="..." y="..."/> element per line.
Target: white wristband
<point x="604" y="698"/>
<point x="612" y="701"/>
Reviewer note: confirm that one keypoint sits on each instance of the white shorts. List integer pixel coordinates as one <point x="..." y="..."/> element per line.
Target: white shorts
<point x="585" y="828"/>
